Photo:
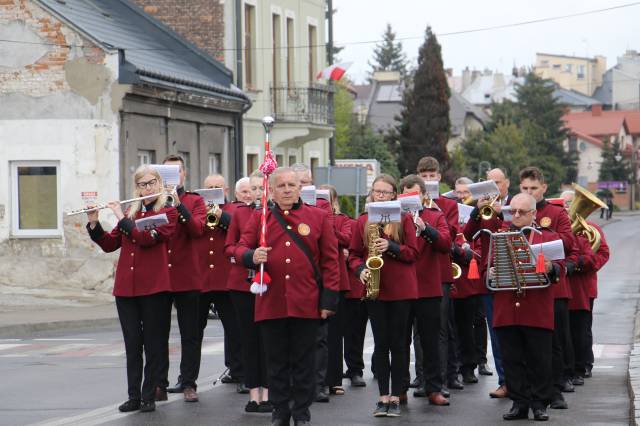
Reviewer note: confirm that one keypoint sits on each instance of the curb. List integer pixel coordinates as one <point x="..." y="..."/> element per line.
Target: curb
<point x="30" y="329"/>
<point x="634" y="374"/>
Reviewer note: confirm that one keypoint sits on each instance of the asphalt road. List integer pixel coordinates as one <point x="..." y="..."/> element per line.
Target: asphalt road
<point x="79" y="378"/>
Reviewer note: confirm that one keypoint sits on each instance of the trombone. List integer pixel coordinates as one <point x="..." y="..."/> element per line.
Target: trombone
<point x="104" y="206"/>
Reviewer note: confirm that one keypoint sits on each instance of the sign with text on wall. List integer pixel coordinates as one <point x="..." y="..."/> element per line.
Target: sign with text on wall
<point x="372" y="166"/>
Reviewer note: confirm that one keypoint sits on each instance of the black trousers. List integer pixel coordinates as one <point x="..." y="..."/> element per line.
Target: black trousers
<point x="526" y="358"/>
<point x="389" y="325"/>
<point x="562" y="348"/>
<point x="356" y="317"/>
<point x="145" y="321"/>
<point x="232" y="342"/>
<point x="579" y="321"/>
<point x="480" y="331"/>
<point x="334" y="342"/>
<point x="448" y="355"/>
<point x="291" y="347"/>
<point x="413" y="333"/>
<point x="187" y="306"/>
<point x="254" y="357"/>
<point x="322" y="353"/>
<point x="590" y="359"/>
<point x="465" y="314"/>
<point x="427" y="314"/>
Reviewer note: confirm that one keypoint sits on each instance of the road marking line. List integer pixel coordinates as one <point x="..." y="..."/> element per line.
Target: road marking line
<point x="63" y="340"/>
<point x="7" y="346"/>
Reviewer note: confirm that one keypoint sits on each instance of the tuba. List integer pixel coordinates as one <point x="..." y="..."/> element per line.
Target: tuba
<point x="584" y="203"/>
<point x="374" y="263"/>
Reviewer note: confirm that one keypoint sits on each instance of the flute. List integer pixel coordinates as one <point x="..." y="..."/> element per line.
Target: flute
<point x="104" y="206"/>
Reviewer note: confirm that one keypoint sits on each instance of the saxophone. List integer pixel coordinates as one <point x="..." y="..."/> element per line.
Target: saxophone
<point x="374" y="263"/>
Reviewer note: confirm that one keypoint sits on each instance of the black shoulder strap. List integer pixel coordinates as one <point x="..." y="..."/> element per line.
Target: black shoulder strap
<point x="300" y="243"/>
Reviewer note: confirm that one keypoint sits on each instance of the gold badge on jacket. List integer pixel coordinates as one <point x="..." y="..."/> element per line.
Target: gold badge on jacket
<point x="545" y="222"/>
<point x="303" y="229"/>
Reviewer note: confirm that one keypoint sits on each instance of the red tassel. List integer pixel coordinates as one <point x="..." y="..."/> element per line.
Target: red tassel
<point x="473" y="270"/>
<point x="266" y="280"/>
<point x="540" y="268"/>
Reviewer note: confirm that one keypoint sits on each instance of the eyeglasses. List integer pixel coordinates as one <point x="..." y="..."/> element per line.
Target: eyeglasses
<point x="149" y="184"/>
<point x="379" y="192"/>
<point x="520" y="212"/>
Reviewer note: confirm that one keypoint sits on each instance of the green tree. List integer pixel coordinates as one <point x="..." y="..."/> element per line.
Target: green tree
<point x="343" y="114"/>
<point x="613" y="168"/>
<point x="388" y="55"/>
<point x="424" y="125"/>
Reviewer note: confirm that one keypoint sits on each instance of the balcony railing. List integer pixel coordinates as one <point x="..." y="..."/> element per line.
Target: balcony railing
<point x="303" y="103"/>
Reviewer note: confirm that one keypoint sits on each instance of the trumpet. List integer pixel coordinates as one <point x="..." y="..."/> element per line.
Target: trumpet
<point x="487" y="212"/>
<point x="456" y="270"/>
<point x="170" y="190"/>
<point x="104" y="206"/>
<point x="212" y="218"/>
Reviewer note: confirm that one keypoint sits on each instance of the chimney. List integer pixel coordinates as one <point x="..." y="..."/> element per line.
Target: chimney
<point x="596" y="110"/>
<point x="449" y="72"/>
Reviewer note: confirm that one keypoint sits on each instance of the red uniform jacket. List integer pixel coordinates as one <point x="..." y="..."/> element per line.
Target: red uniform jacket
<point x="214" y="265"/>
<point x="356" y="290"/>
<point x="531" y="308"/>
<point x="432" y="243"/>
<point x="342" y="226"/>
<point x="293" y="291"/>
<point x="186" y="274"/>
<point x="398" y="275"/>
<point x="238" y="278"/>
<point x="475" y="224"/>
<point x="449" y="208"/>
<point x="465" y="287"/>
<point x="584" y="279"/>
<point x="143" y="265"/>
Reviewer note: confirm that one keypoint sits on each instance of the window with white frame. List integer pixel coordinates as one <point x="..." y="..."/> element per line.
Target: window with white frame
<point x="215" y="163"/>
<point x="146" y="157"/>
<point x="35" y="203"/>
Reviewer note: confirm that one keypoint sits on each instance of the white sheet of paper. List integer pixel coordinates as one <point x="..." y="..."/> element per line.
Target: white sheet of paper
<point x="410" y="203"/>
<point x="323" y="193"/>
<point x="450" y="194"/>
<point x="506" y="213"/>
<point x="484" y="189"/>
<point x="553" y="250"/>
<point x="212" y="195"/>
<point x="308" y="195"/>
<point x="433" y="189"/>
<point x="384" y="211"/>
<point x="170" y="173"/>
<point x="151" y="222"/>
<point x="463" y="213"/>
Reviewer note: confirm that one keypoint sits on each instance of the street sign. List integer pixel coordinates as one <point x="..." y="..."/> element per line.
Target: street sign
<point x="372" y="165"/>
<point x="347" y="180"/>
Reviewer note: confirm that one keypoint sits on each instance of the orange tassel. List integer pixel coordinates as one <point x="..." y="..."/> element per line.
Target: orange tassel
<point x="540" y="268"/>
<point x="473" y="270"/>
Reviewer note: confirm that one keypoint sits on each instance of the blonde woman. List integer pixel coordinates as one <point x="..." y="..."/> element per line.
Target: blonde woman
<point x="141" y="285"/>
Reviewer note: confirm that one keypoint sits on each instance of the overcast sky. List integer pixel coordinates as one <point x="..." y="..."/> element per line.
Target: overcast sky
<point x="607" y="33"/>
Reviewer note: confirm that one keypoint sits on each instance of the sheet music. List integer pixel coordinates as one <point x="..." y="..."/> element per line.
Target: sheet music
<point x="553" y="250"/>
<point x="506" y="213"/>
<point x="484" y="189"/>
<point x="212" y="195"/>
<point x="464" y="211"/>
<point x="410" y="203"/>
<point x="170" y="173"/>
<point x="308" y="195"/>
<point x="323" y="193"/>
<point x="451" y="194"/>
<point x="151" y="222"/>
<point x="384" y="211"/>
<point x="433" y="189"/>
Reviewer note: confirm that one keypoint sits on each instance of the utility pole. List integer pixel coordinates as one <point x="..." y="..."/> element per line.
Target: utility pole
<point x="332" y="139"/>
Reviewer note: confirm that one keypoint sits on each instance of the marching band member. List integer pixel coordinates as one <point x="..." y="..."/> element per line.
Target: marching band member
<point x="524" y="323"/>
<point x="429" y="169"/>
<point x="142" y="285"/>
<point x="433" y="238"/>
<point x="398" y="287"/>
<point x="301" y="259"/>
<point x="252" y="344"/>
<point x="186" y="283"/>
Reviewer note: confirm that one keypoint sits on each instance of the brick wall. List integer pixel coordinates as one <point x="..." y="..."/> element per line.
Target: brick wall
<point x="199" y="21"/>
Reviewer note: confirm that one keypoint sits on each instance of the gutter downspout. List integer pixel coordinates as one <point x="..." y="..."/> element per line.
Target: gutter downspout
<point x="239" y="139"/>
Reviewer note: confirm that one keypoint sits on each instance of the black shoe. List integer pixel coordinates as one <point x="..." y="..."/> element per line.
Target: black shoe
<point x="358" y="382"/>
<point x="252" y="407"/>
<point x="381" y="409"/>
<point x="588" y="373"/>
<point x="483" y="370"/>
<point x="454" y="383"/>
<point x="265" y="407"/>
<point x="578" y="381"/>
<point x="227" y="378"/>
<point x="147" y="406"/>
<point x="558" y="403"/>
<point x="516" y="413"/>
<point x="279" y="422"/>
<point x="130" y="405"/>
<point x="421" y="392"/>
<point x="416" y="383"/>
<point x="394" y="409"/>
<point x="469" y="377"/>
<point x="241" y="388"/>
<point x="567" y="386"/>
<point x="445" y="392"/>
<point x="178" y="388"/>
<point x="540" y="414"/>
<point x="322" y="396"/>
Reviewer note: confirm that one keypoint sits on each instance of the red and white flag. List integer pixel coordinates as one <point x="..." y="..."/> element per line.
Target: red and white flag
<point x="334" y="72"/>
